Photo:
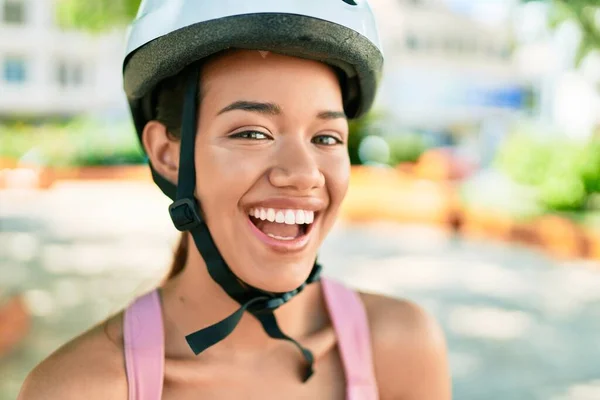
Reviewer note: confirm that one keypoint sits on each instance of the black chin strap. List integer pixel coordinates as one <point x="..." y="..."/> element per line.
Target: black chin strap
<point x="186" y="215"/>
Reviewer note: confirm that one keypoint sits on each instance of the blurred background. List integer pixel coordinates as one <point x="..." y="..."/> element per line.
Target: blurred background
<point x="475" y="189"/>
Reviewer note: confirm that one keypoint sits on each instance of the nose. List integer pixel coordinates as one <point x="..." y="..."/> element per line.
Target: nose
<point x="296" y="168"/>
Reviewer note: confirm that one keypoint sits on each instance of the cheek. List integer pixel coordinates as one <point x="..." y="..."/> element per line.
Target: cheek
<point x="222" y="179"/>
<point x="337" y="177"/>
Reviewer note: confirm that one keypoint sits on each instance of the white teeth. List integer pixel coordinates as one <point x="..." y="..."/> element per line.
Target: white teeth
<point x="309" y="217"/>
<point x="299" y="216"/>
<point x="271" y="215"/>
<point x="279" y="217"/>
<point x="290" y="217"/>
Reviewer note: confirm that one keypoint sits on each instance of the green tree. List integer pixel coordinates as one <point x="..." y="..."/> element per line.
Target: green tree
<point x="585" y="13"/>
<point x="96" y="15"/>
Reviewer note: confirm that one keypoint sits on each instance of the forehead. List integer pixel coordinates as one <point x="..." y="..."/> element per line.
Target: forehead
<point x="268" y="76"/>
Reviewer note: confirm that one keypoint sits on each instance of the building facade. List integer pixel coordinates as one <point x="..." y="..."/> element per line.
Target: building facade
<point x="444" y="68"/>
<point x="48" y="72"/>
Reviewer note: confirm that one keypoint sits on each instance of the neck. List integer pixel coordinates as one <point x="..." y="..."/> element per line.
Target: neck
<point x="193" y="301"/>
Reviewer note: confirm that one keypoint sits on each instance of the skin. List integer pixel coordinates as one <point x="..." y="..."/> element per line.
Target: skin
<point x="297" y="153"/>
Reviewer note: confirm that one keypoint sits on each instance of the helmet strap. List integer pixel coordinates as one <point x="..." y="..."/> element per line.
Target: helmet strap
<point x="186" y="215"/>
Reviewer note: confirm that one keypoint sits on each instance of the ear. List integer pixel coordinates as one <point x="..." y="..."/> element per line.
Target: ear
<point x="162" y="150"/>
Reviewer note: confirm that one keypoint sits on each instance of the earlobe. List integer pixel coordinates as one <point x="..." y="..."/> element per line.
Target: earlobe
<point x="162" y="150"/>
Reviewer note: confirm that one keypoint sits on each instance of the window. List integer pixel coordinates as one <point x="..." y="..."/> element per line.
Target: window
<point x="62" y="74"/>
<point x="15" y="70"/>
<point x="70" y="74"/>
<point x="14" y="11"/>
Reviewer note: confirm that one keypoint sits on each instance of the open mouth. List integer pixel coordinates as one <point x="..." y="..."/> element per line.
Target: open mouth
<point x="285" y="225"/>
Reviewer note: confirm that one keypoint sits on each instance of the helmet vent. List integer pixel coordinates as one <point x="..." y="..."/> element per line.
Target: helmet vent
<point x="351" y="2"/>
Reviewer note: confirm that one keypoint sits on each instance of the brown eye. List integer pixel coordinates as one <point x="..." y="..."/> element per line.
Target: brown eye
<point x="326" y="140"/>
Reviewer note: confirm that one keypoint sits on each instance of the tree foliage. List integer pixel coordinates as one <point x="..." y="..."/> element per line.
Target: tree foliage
<point x="585" y="13"/>
<point x="565" y="174"/>
<point x="96" y="15"/>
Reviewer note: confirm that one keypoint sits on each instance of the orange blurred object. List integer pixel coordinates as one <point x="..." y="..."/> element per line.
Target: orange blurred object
<point x="560" y="236"/>
<point x="483" y="223"/>
<point x="390" y="194"/>
<point x="15" y="321"/>
<point x="6" y="163"/>
<point x="440" y="165"/>
<point x="44" y="178"/>
<point x="593" y="244"/>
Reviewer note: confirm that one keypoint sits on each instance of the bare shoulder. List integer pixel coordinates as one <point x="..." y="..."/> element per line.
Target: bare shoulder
<point x="409" y="350"/>
<point x="90" y="366"/>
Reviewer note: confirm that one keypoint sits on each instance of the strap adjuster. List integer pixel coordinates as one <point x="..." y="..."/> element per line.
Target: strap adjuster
<point x="185" y="214"/>
<point x="270" y="304"/>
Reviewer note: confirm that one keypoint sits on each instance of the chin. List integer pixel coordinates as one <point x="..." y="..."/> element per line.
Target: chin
<point x="277" y="277"/>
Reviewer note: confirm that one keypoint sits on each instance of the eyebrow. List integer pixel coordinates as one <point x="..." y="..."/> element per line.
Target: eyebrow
<point x="331" y="115"/>
<point x="253" y="106"/>
<point x="274" y="109"/>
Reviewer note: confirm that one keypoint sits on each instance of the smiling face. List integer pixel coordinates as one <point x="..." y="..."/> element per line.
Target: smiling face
<point x="271" y="157"/>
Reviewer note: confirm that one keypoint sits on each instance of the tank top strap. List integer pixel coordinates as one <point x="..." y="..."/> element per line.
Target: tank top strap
<point x="349" y="319"/>
<point x="144" y="347"/>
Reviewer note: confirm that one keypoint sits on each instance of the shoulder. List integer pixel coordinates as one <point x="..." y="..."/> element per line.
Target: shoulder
<point x="409" y="350"/>
<point x="90" y="366"/>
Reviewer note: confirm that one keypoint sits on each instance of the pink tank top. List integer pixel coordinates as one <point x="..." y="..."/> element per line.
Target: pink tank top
<point x="144" y="344"/>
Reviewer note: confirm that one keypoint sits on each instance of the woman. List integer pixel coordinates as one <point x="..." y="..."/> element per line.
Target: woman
<point x="242" y="109"/>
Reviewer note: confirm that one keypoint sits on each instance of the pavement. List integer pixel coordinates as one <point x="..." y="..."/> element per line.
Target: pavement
<point x="519" y="324"/>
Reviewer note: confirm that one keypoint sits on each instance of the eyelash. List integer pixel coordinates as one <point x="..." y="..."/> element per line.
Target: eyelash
<point x="251" y="135"/>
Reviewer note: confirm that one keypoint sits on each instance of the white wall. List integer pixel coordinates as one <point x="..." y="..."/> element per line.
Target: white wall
<point x="43" y="46"/>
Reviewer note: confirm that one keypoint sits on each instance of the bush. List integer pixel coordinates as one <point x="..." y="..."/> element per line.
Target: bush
<point x="78" y="143"/>
<point x="564" y="173"/>
<point x="406" y="148"/>
<point x="589" y="166"/>
<point x="525" y="159"/>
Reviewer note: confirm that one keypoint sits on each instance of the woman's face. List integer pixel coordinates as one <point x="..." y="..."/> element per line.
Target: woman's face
<point x="271" y="162"/>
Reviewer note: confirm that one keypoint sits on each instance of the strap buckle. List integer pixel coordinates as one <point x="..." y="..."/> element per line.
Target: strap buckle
<point x="185" y="214"/>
